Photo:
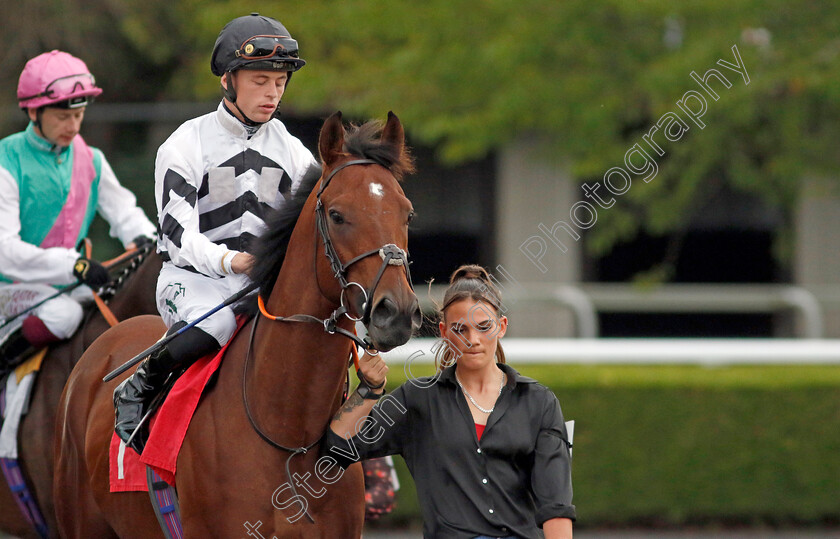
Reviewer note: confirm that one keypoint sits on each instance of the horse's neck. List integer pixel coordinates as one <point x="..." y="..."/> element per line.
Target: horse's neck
<point x="298" y="369"/>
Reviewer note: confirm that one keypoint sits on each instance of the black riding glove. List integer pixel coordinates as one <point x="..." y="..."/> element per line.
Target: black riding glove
<point x="91" y="272"/>
<point x="141" y="241"/>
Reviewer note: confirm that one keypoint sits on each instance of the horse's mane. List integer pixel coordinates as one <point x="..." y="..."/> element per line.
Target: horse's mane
<point x="361" y="141"/>
<point x="270" y="251"/>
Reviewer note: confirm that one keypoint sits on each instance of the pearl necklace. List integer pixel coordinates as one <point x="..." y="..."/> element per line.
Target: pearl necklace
<point x="472" y="400"/>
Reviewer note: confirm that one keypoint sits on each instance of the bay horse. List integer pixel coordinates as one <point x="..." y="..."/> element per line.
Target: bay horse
<point x="133" y="295"/>
<point x="280" y="382"/>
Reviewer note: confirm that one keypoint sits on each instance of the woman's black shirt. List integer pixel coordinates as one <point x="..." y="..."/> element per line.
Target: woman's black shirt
<point x="511" y="482"/>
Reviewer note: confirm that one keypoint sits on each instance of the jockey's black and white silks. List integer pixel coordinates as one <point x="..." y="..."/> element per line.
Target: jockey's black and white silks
<point x="214" y="185"/>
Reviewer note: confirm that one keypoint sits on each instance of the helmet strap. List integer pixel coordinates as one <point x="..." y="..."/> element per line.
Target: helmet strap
<point x="230" y="91"/>
<point x="230" y="95"/>
<point x="245" y="120"/>
<point x="39" y="113"/>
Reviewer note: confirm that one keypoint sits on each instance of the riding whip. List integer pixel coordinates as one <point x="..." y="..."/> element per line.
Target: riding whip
<point x="163" y="342"/>
<point x="108" y="265"/>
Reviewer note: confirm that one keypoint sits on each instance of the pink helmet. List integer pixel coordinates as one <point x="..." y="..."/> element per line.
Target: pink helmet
<point x="56" y="77"/>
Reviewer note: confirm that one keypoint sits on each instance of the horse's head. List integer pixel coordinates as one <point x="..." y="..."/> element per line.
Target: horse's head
<point x="363" y="218"/>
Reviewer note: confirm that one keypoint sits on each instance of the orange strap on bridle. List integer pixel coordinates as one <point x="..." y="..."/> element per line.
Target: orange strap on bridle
<point x="100" y="304"/>
<point x="105" y="310"/>
<point x="261" y="305"/>
<point x="265" y="313"/>
<point x="117" y="259"/>
<point x="354" y="353"/>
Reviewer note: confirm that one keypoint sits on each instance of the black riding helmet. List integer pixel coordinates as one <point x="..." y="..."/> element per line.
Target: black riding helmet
<point x="254" y="42"/>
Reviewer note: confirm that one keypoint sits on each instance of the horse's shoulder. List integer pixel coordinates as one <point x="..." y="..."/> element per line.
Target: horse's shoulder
<point x="144" y="328"/>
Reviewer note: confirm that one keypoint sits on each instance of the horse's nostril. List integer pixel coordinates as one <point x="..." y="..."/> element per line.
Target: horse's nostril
<point x="416" y="317"/>
<point x="384" y="312"/>
<point x="392" y="324"/>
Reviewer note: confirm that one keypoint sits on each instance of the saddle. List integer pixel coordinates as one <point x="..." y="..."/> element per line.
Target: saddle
<point x="18" y="360"/>
<point x="16" y="386"/>
<point x="171" y="415"/>
<point x="15" y="349"/>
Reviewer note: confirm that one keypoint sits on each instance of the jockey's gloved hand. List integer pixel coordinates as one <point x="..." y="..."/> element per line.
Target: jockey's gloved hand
<point x="142" y="241"/>
<point x="91" y="272"/>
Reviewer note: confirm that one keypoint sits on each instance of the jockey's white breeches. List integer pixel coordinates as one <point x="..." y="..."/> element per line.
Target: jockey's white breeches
<point x="185" y="295"/>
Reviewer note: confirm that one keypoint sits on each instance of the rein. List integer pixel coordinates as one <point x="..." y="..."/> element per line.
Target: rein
<point x="100" y="303"/>
<point x="135" y="254"/>
<point x="291" y="450"/>
<point x="135" y="257"/>
<point x="391" y="255"/>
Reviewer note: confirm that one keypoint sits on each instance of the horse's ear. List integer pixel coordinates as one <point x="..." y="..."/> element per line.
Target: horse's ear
<point x="393" y="132"/>
<point x="331" y="139"/>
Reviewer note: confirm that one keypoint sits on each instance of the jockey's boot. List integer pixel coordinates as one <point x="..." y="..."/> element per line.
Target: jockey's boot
<point x="13" y="351"/>
<point x="134" y="395"/>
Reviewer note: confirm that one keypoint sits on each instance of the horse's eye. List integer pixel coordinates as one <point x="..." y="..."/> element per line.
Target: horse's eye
<point x="336" y="217"/>
<point x="410" y="217"/>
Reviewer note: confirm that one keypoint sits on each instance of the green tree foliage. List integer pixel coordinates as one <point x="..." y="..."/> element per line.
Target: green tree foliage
<point x="132" y="48"/>
<point x="586" y="78"/>
<point x="589" y="79"/>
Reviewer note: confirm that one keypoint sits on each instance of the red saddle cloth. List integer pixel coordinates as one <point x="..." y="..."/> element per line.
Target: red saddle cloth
<point x="168" y="428"/>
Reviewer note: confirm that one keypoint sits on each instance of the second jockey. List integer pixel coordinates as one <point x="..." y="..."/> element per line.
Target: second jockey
<point x="52" y="184"/>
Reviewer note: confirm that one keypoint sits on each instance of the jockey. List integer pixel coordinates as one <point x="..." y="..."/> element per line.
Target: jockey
<point x="216" y="179"/>
<point x="51" y="186"/>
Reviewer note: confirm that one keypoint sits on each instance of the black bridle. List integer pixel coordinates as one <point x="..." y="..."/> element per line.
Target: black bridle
<point x="391" y="255"/>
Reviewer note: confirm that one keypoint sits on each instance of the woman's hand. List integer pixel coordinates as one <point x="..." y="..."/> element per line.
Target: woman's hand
<point x="373" y="369"/>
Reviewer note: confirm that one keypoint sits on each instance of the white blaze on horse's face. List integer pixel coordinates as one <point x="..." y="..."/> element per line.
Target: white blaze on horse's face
<point x="376" y="190"/>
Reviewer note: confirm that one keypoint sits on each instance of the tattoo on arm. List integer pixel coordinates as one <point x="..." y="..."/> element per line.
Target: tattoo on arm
<point x="353" y="402"/>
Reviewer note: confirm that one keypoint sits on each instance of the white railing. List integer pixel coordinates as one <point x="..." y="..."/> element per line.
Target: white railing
<point x="644" y="351"/>
<point x="585" y="300"/>
<point x="712" y="298"/>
